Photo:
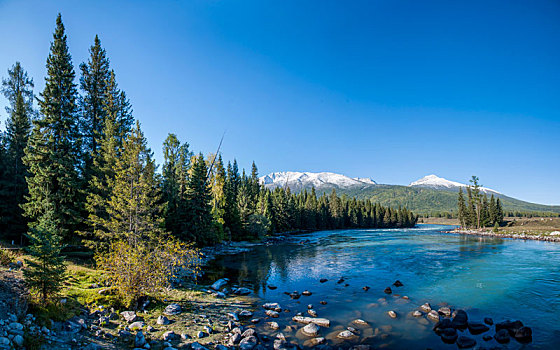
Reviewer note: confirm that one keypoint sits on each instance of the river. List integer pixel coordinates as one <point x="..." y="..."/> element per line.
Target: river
<point x="487" y="277"/>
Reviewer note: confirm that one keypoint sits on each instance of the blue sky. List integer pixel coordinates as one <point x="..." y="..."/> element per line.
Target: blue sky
<point x="392" y="90"/>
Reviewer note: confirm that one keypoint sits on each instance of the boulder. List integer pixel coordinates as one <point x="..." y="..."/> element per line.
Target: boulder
<point x="139" y="340"/>
<point x="441" y="325"/>
<point x="398" y="283"/>
<point x="273" y="325"/>
<point x="129" y="316"/>
<point x="172" y="309"/>
<point x="242" y="291"/>
<point x="306" y="293"/>
<point x="444" y="311"/>
<point x="162" y="320"/>
<point x="488" y="321"/>
<point x="323" y="280"/>
<point x="460" y="319"/>
<point x="234" y="339"/>
<point x="417" y="313"/>
<point x="310" y="330"/>
<point x="433" y="315"/>
<point x="312" y="312"/>
<point x="272" y="306"/>
<point x="448" y="335"/>
<point x="524" y="335"/>
<point x="18" y="340"/>
<point x="272" y="313"/>
<point x="510" y="326"/>
<point x="219" y="284"/>
<point x="323" y="322"/>
<point x="425" y="308"/>
<point x="392" y="314"/>
<point x="388" y="290"/>
<point x="360" y="322"/>
<point x="197" y="346"/>
<point x="477" y="328"/>
<point x="245" y="314"/>
<point x="169" y="335"/>
<point x="249" y="333"/>
<point x="135" y="326"/>
<point x="248" y="343"/>
<point x="346" y="335"/>
<point x="502" y="336"/>
<point x="464" y="342"/>
<point x="313" y="342"/>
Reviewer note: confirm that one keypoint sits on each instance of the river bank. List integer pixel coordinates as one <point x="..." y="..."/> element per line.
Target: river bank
<point x="553" y="236"/>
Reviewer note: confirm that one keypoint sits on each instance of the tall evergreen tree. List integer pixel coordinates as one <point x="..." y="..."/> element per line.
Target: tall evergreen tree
<point x="218" y="191"/>
<point x="461" y="208"/>
<point x="198" y="196"/>
<point x="45" y="271"/>
<point x="54" y="146"/>
<point x="18" y="90"/>
<point x="477" y="199"/>
<point x="134" y="210"/>
<point x="93" y="82"/>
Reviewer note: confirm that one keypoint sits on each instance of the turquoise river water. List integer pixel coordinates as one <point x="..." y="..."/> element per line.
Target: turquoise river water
<point x="487" y="277"/>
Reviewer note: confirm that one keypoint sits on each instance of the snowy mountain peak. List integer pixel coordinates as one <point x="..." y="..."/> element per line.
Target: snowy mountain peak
<point x="434" y="181"/>
<point x="300" y="180"/>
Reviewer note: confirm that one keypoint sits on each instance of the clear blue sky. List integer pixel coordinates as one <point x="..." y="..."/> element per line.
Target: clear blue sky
<point x="393" y="90"/>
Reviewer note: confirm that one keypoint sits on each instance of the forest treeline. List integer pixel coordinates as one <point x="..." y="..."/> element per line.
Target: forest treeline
<point x="80" y="168"/>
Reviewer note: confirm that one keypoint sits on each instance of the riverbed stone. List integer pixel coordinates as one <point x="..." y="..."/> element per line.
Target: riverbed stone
<point x="433" y="315"/>
<point x="306" y="293"/>
<point x="502" y="336"/>
<point x="219" y="284"/>
<point x="272" y="306"/>
<point x="449" y="335"/>
<point x="172" y="309"/>
<point x="134" y="326"/>
<point x="425" y="308"/>
<point x="464" y="342"/>
<point x="272" y="313"/>
<point x="169" y="335"/>
<point x="323" y="322"/>
<point x="162" y="320"/>
<point x="444" y="311"/>
<point x="242" y="291"/>
<point x="477" y="328"/>
<point x="129" y="316"/>
<point x="392" y="314"/>
<point x="273" y="325"/>
<point x="245" y="314"/>
<point x="312" y="312"/>
<point x="248" y="343"/>
<point x="234" y="339"/>
<point x="398" y="283"/>
<point x="488" y="321"/>
<point x="311" y="330"/>
<point x="417" y="313"/>
<point x="524" y="335"/>
<point x="323" y="280"/>
<point x="313" y="342"/>
<point x="360" y="322"/>
<point x="346" y="335"/>
<point x="460" y="319"/>
<point x="139" y="339"/>
<point x="388" y="290"/>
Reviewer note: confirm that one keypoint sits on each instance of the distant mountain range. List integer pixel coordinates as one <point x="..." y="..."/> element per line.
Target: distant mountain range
<point x="428" y="194"/>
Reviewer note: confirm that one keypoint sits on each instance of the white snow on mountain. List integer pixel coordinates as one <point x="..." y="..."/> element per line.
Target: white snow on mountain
<point x="300" y="180"/>
<point x="434" y="181"/>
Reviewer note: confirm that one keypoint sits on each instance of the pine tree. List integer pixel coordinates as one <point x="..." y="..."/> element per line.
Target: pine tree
<point x="492" y="211"/>
<point x="477" y="199"/>
<point x="54" y="146"/>
<point x="499" y="212"/>
<point x="134" y="210"/>
<point x="117" y="120"/>
<point x="218" y="191"/>
<point x="461" y="208"/>
<point x="231" y="210"/>
<point x="93" y="82"/>
<point x="18" y="90"/>
<point x="45" y="272"/>
<point x="200" y="211"/>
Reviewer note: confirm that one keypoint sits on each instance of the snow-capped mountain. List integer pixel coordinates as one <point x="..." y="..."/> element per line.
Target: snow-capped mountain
<point x="434" y="181"/>
<point x="299" y="180"/>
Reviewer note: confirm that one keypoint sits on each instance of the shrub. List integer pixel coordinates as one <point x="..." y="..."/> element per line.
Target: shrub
<point x="7" y="256"/>
<point x="137" y="269"/>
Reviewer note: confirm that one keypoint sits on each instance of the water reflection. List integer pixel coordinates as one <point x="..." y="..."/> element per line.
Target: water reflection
<point x="501" y="278"/>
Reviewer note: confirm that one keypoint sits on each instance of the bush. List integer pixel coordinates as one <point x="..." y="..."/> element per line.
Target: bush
<point x="137" y="269"/>
<point x="7" y="256"/>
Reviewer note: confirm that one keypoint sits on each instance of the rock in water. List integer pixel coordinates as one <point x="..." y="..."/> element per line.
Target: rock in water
<point x="136" y="325"/>
<point x="388" y="290"/>
<point x="172" y="309"/>
<point x="272" y="313"/>
<point x="398" y="283"/>
<point x="360" y="322"/>
<point x="129" y="316"/>
<point x="248" y="343"/>
<point x="323" y="322"/>
<point x="460" y="319"/>
<point x="245" y="314"/>
<point x="524" y="335"/>
<point x="477" y="328"/>
<point x="433" y="315"/>
<point x="169" y="335"/>
<point x="448" y="335"/>
<point x="271" y="287"/>
<point x="162" y="320"/>
<point x="306" y="293"/>
<point x="365" y="288"/>
<point x="323" y="280"/>
<point x="312" y="313"/>
<point x="311" y="330"/>
<point x="392" y="314"/>
<point x="219" y="284"/>
<point x="502" y="336"/>
<point x="243" y="291"/>
<point x="272" y="306"/>
<point x="464" y="342"/>
<point x="488" y="321"/>
<point x="273" y="325"/>
<point x="345" y="335"/>
<point x="426" y="308"/>
<point x="444" y="311"/>
<point x="417" y="313"/>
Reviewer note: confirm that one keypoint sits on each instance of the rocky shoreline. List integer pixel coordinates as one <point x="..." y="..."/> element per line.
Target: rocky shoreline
<point x="551" y="237"/>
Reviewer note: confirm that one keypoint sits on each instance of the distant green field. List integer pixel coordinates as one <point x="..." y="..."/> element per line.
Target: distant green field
<point x="427" y="200"/>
